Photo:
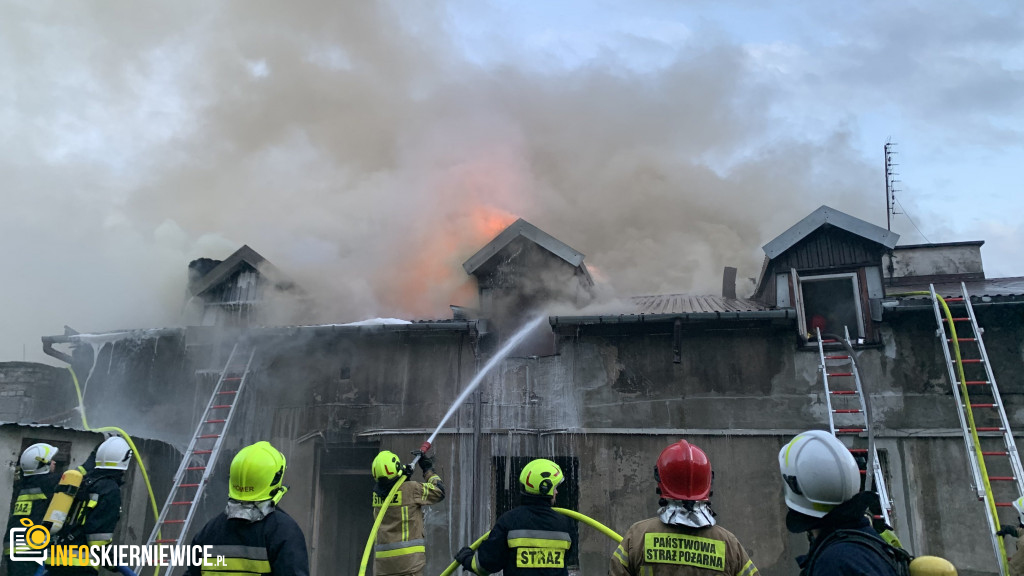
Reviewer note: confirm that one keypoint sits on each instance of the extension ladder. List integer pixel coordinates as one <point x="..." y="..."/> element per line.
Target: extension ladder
<point x="199" y="459"/>
<point x="838" y="372"/>
<point x="986" y="429"/>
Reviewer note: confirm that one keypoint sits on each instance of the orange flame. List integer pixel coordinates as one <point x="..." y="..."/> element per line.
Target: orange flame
<point x="429" y="275"/>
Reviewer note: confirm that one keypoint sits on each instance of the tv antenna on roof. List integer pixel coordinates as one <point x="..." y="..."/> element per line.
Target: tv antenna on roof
<point x="890" y="184"/>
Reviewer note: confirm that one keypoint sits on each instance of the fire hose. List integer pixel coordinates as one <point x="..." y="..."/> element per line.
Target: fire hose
<point x="571" y="514"/>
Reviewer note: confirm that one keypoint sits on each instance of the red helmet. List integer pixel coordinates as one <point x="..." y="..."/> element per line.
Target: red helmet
<point x="683" y="472"/>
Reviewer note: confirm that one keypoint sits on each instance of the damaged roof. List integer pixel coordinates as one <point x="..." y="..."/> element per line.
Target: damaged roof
<point x="522" y="228"/>
<point x="829" y="216"/>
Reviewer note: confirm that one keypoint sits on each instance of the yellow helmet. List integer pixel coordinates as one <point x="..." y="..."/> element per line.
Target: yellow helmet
<point x="540" y="477"/>
<point x="256" y="474"/>
<point x="386" y="466"/>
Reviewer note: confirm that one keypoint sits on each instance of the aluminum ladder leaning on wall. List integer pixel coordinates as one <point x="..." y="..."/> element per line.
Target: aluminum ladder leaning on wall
<point x="201" y="456"/>
<point x="986" y="430"/>
<point x="854" y="416"/>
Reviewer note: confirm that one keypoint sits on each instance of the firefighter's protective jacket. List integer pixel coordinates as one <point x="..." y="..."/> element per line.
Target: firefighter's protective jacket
<point x="530" y="539"/>
<point x="274" y="545"/>
<point x="33" y="496"/>
<point x="400" y="547"/>
<point x="653" y="548"/>
<point x="93" y="516"/>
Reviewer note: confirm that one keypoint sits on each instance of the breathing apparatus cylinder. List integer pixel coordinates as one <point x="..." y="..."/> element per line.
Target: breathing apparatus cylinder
<point x="63" y="497"/>
<point x="931" y="566"/>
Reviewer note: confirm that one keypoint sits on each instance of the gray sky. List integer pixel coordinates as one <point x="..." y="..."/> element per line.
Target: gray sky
<point x="368" y="149"/>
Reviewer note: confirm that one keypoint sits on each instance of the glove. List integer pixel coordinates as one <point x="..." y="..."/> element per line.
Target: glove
<point x="1008" y="530"/>
<point x="407" y="470"/>
<point x="465" y="557"/>
<point x="426" y="464"/>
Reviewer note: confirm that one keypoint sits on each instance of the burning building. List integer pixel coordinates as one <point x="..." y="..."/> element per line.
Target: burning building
<point x="601" y="394"/>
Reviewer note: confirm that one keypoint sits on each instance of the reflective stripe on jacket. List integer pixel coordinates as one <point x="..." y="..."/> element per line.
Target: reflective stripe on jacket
<point x="530" y="539"/>
<point x="274" y="546"/>
<point x="400" y="547"/>
<point x="652" y="548"/>
<point x="34" y="493"/>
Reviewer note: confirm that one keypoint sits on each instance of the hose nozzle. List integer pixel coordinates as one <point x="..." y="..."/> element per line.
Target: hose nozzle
<point x="424" y="447"/>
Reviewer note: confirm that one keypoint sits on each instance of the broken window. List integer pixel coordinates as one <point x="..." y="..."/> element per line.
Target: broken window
<point x="506" y="497"/>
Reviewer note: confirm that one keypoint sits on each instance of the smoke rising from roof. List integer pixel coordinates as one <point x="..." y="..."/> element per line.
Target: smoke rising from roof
<point x="364" y="151"/>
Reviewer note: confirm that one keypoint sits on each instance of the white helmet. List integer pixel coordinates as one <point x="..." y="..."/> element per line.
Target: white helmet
<point x="113" y="454"/>
<point x="1018" y="505"/>
<point x="819" y="473"/>
<point x="36" y="459"/>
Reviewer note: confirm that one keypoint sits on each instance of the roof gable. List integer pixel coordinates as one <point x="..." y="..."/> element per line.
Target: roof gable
<point x="225" y="269"/>
<point x="829" y="216"/>
<point x="522" y="228"/>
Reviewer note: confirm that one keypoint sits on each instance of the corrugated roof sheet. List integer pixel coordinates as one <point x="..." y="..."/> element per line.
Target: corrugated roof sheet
<point x="688" y="303"/>
<point x="996" y="288"/>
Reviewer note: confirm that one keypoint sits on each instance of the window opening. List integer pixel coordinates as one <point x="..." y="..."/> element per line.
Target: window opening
<point x="832" y="302"/>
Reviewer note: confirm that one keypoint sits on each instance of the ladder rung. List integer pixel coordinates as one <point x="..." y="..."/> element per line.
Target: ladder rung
<point x="841" y="374"/>
<point x="1004" y="504"/>
<point x="187" y="485"/>
<point x="208" y="436"/>
<point x="863" y="471"/>
<point x="216" y="421"/>
<point x="837" y="357"/>
<point x="173" y="522"/>
<point x="202" y="451"/>
<point x="847" y="411"/>
<point x="954" y="299"/>
<point x="165" y="541"/>
<point x="971" y="360"/>
<point x="849" y="430"/>
<point x="984" y="405"/>
<point x="958" y="319"/>
<point x="829" y="341"/>
<point x="196" y="468"/>
<point x="962" y="339"/>
<point x="233" y="379"/>
<point x="975" y="382"/>
<point x="842" y="392"/>
<point x="989" y="429"/>
<point x="181" y="503"/>
<point x="221" y="406"/>
<point x="1001" y="478"/>
<point x="859" y="450"/>
<point x="228" y="392"/>
<point x="997" y="453"/>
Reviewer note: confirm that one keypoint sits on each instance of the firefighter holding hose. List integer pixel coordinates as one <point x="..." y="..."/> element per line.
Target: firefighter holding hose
<point x="400" y="548"/>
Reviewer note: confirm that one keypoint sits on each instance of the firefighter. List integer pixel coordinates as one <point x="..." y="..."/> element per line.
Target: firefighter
<point x="822" y="486"/>
<point x="1017" y="561"/>
<point x="34" y="490"/>
<point x="252" y="534"/>
<point x="97" y="507"/>
<point x="530" y="539"/>
<point x="684" y="538"/>
<point x="400" y="547"/>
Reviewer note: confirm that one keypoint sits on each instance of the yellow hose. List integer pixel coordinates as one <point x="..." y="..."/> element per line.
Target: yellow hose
<point x="376" y="525"/>
<point x="128" y="439"/>
<point x="570" y="513"/>
<point x="990" y="498"/>
<point x="455" y="564"/>
<point x="590" y="522"/>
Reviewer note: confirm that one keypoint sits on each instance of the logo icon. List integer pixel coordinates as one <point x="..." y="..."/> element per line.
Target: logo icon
<point x="29" y="544"/>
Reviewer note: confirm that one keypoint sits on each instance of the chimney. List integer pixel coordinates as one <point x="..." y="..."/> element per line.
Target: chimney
<point x="729" y="282"/>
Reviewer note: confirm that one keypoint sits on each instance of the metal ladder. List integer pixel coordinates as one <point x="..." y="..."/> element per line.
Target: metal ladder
<point x="842" y="366"/>
<point x="201" y="456"/>
<point x="986" y="429"/>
